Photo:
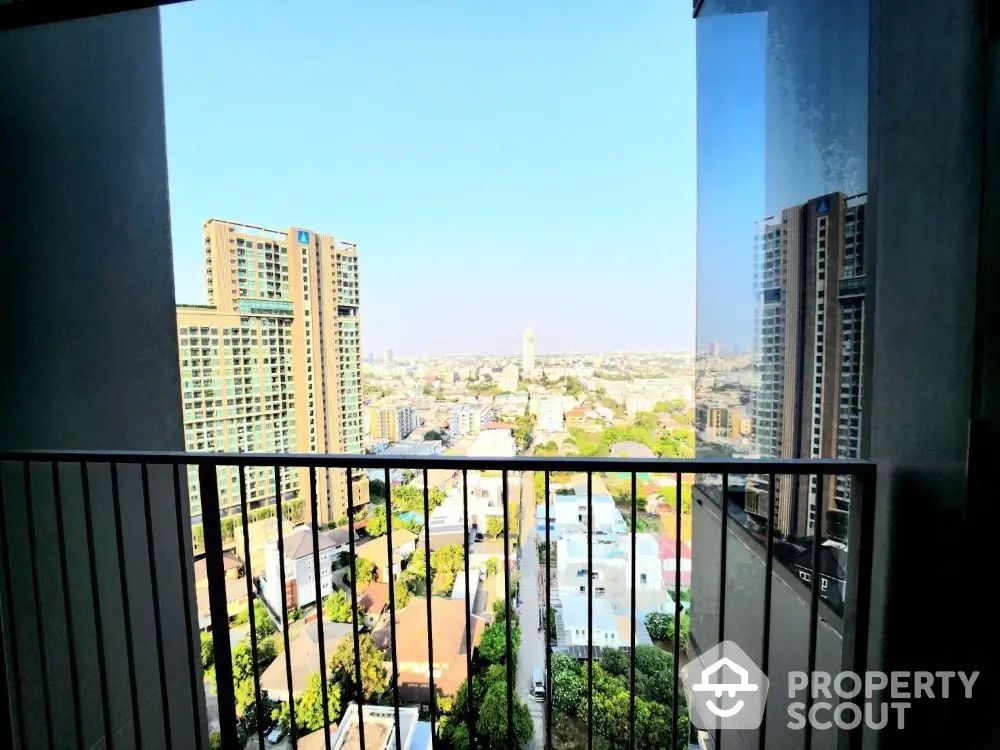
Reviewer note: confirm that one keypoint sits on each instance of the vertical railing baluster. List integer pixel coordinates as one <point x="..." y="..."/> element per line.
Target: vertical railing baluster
<point x="102" y="667"/>
<point x="548" y="624"/>
<point x="215" y="571"/>
<point x="765" y="646"/>
<point x="360" y="696"/>
<point x="675" y="719"/>
<point x="155" y="591"/>
<point x="857" y="593"/>
<point x="723" y="539"/>
<point x="284" y="606"/>
<point x="251" y="599"/>
<point x="430" y="619"/>
<point x="33" y="544"/>
<point x="466" y="549"/>
<point x="590" y="610"/>
<point x="11" y="621"/>
<point x="183" y="537"/>
<point x="392" y="611"/>
<point x="67" y="604"/>
<point x="814" y="602"/>
<point x="317" y="574"/>
<point x="631" y="699"/>
<point x="507" y="609"/>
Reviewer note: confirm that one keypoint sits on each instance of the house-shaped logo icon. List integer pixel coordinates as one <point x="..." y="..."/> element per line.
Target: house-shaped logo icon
<point x="726" y="690"/>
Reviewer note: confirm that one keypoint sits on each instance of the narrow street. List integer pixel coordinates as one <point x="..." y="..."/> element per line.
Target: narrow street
<point x="532" y="651"/>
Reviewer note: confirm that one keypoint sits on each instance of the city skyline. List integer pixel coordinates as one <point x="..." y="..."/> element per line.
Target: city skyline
<point x="526" y="201"/>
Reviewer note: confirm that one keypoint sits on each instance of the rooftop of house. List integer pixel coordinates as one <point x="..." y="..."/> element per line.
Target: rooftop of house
<point x="299" y="543"/>
<point x="448" y="618"/>
<point x="575" y="546"/>
<point x="493" y="443"/>
<point x="304" y="656"/>
<point x="574" y="610"/>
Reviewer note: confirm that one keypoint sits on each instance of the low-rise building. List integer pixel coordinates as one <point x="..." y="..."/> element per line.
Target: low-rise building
<point x="304" y="655"/>
<point x="450" y="666"/>
<point x="300" y="588"/>
<point x="469" y="419"/>
<point x="377" y="551"/>
<point x="380" y="730"/>
<point x="610" y="567"/>
<point x="392" y="423"/>
<point x="405" y="448"/>
<point x="507" y="378"/>
<point x="612" y="628"/>
<point x="493" y="443"/>
<point x="550" y="414"/>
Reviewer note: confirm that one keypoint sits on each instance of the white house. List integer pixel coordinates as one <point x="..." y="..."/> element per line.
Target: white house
<point x="612" y="629"/>
<point x="611" y="570"/>
<point x="493" y="443"/>
<point x="300" y="586"/>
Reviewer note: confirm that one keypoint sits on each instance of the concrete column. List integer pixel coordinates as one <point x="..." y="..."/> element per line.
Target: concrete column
<point x="89" y="361"/>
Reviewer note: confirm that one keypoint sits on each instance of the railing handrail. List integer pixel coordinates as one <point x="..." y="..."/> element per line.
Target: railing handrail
<point x="568" y="464"/>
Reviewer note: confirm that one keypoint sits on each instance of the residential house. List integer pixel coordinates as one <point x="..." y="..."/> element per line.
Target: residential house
<point x="611" y="569"/>
<point x="612" y="629"/>
<point x="448" y="618"/>
<point x="377" y="551"/>
<point x="236" y="588"/>
<point x="304" y="655"/>
<point x="584" y="419"/>
<point x="341" y="539"/>
<point x="493" y="443"/>
<point x="300" y="589"/>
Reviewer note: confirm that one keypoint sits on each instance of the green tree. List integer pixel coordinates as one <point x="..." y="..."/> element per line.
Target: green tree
<point x="427" y="389"/>
<point x="492" y="566"/>
<point x="568" y="686"/>
<point x="433" y="435"/>
<point x="410" y="498"/>
<point x="492" y="724"/>
<point x="493" y="642"/>
<point x="374" y="678"/>
<point x="364" y="570"/>
<point x="337" y="607"/>
<point x="548" y="448"/>
<point x="494" y="526"/>
<point x="376" y="488"/>
<point x="402" y="593"/>
<point x="376" y="523"/>
<point x="309" y="713"/>
<point x="616" y="662"/>
<point x="659" y="625"/>
<point x="645" y="420"/>
<point x="263" y="623"/>
<point x="207" y="650"/>
<point x="449" y="559"/>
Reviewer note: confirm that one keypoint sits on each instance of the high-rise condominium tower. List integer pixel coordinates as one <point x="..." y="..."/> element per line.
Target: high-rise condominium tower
<point x="810" y="280"/>
<point x="273" y="362"/>
<point x="528" y="354"/>
<point x="388" y="356"/>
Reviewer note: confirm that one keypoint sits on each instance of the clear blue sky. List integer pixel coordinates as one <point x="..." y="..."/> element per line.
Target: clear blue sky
<point x="499" y="164"/>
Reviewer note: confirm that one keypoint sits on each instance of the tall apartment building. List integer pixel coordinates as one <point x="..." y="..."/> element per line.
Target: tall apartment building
<point x="810" y="281"/>
<point x="528" y="354"/>
<point x="393" y="423"/>
<point x="273" y="362"/>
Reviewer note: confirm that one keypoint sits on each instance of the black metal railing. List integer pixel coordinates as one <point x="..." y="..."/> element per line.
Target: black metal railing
<point x="232" y="728"/>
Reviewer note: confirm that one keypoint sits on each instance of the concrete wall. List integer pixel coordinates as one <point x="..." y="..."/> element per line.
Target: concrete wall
<point x="89" y="336"/>
<point x="926" y="136"/>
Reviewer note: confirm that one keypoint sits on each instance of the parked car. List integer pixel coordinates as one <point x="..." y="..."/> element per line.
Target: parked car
<point x="538" y="684"/>
<point x="277" y="735"/>
<point x="479" y="537"/>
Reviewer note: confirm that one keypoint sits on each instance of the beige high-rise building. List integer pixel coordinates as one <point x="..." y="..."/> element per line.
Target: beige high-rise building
<point x="811" y="290"/>
<point x="273" y="362"/>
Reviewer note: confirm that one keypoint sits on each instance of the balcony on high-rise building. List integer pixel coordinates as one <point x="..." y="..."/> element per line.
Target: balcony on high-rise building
<point x="179" y="571"/>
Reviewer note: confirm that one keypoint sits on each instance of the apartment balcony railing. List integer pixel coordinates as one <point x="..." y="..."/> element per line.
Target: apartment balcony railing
<point x="81" y="467"/>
